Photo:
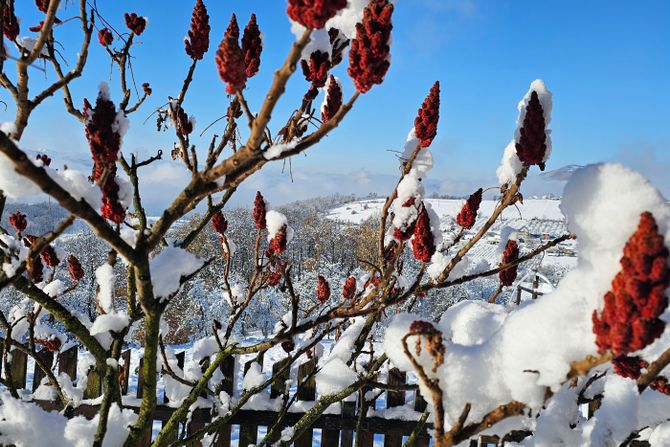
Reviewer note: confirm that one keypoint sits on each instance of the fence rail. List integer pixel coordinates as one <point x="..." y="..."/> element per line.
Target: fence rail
<point x="336" y="429"/>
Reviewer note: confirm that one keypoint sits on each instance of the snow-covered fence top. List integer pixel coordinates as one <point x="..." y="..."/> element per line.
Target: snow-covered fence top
<point x="393" y="409"/>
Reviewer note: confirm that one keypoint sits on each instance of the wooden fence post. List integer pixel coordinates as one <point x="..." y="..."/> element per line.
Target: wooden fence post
<point x="174" y="435"/>
<point x="145" y="440"/>
<point x="348" y="411"/>
<point x="249" y="432"/>
<point x="365" y="438"/>
<point x="18" y="367"/>
<point x="420" y="405"/>
<point x="394" y="399"/>
<point x="228" y="369"/>
<point x="278" y="388"/>
<point x="47" y="357"/>
<point x="306" y="392"/>
<point x="67" y="362"/>
<point x="124" y="374"/>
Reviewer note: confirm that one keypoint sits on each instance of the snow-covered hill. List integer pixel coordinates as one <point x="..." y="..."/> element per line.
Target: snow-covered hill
<point x="540" y="209"/>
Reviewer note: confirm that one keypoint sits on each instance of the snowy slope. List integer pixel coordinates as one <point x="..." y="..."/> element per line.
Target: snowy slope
<point x="541" y="209"/>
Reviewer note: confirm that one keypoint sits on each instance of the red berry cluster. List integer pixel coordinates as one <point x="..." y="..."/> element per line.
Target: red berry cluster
<point x="629" y="367"/>
<point x="219" y="223"/>
<point x="259" y="211"/>
<point x="10" y="23"/>
<point x="369" y="55"/>
<point x="230" y="59"/>
<point x="274" y="278"/>
<point x="50" y="257"/>
<point x="278" y="242"/>
<point x="322" y="289"/>
<point x="146" y="88"/>
<point x="630" y="319"/>
<point x="403" y="235"/>
<point x="18" y="221"/>
<point x="425" y="124"/>
<point x="37" y="28"/>
<point x="252" y="46"/>
<point x="532" y="146"/>
<point x="316" y="70"/>
<point x="105" y="37"/>
<point x="105" y="142"/>
<point x="197" y="42"/>
<point x="185" y="125"/>
<point x="74" y="268"/>
<point x="42" y="5"/>
<point x="349" y="288"/>
<point x="468" y="215"/>
<point x="35" y="267"/>
<point x="423" y="243"/>
<point x="422" y="327"/>
<point x="510" y="254"/>
<point x="135" y="23"/>
<point x="44" y="158"/>
<point x="339" y="42"/>
<point x="314" y="13"/>
<point x="661" y="384"/>
<point x="333" y="100"/>
<point x="52" y="344"/>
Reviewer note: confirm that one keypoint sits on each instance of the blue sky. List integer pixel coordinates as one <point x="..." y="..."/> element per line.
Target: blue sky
<point x="607" y="64"/>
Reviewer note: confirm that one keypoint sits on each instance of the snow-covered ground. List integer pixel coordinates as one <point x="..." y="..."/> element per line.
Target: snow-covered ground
<point x="536" y="220"/>
<point x="541" y="209"/>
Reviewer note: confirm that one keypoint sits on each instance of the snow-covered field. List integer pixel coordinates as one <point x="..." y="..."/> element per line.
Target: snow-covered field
<point x="541" y="209"/>
<point x="538" y="219"/>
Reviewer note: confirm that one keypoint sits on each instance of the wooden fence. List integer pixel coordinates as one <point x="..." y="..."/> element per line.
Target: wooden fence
<point x="336" y="429"/>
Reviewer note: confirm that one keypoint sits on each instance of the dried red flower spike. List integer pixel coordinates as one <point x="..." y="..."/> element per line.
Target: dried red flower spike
<point x="252" y="46"/>
<point x="135" y="23"/>
<point x="10" y="24"/>
<point x="52" y="344"/>
<point x="279" y="241"/>
<point x="18" y="221"/>
<point x="230" y="60"/>
<point x="35" y="267"/>
<point x="74" y="268"/>
<point x="219" y="223"/>
<point x="532" y="144"/>
<point x="42" y="5"/>
<point x="425" y="124"/>
<point x="661" y="384"/>
<point x="403" y="235"/>
<point x="339" y="43"/>
<point x="197" y="42"/>
<point x="468" y="215"/>
<point x="322" y="289"/>
<point x="185" y="125"/>
<point x="105" y="37"/>
<point x="314" y="13"/>
<point x="37" y="28"/>
<point x="50" y="257"/>
<point x="316" y="70"/>
<point x="288" y="346"/>
<point x="369" y="54"/>
<point x="259" y="211"/>
<point x="422" y="327"/>
<point x="105" y="142"/>
<point x="333" y="100"/>
<point x="146" y="88"/>
<point x="630" y="319"/>
<point x="629" y="367"/>
<point x="44" y="158"/>
<point x="274" y="278"/>
<point x="510" y="254"/>
<point x="423" y="243"/>
<point x="349" y="288"/>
